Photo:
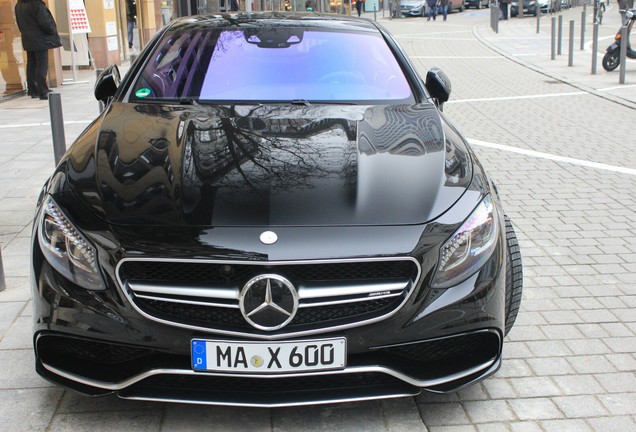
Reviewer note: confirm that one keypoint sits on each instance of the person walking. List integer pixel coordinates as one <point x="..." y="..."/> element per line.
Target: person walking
<point x="131" y="19"/>
<point x="39" y="34"/>
<point x="443" y="8"/>
<point x="359" y="6"/>
<point x="503" y="9"/>
<point x="432" y="9"/>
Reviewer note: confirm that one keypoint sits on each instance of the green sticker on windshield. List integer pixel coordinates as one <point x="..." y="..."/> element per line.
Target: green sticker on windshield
<point x="142" y="92"/>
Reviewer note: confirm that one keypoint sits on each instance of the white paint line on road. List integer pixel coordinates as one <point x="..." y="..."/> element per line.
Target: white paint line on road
<point x="624" y="86"/>
<point x="29" y="125"/>
<point x="504" y="98"/>
<point x="555" y="158"/>
<point x="459" y="57"/>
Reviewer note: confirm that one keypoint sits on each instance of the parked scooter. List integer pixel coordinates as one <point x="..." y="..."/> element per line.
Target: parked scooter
<point x="611" y="60"/>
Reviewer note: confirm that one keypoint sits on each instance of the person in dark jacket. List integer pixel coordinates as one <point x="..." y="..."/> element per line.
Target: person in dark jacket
<point x="131" y="20"/>
<point x="39" y="34"/>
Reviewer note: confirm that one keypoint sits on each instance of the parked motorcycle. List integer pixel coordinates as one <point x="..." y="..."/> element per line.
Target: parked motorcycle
<point x="611" y="60"/>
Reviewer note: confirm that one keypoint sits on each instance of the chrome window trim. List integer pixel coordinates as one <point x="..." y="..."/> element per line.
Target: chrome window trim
<point x="125" y="289"/>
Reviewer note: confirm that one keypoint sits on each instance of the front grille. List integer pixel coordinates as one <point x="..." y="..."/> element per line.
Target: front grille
<point x="278" y="385"/>
<point x="219" y="272"/>
<point x="205" y="294"/>
<point x="269" y="392"/>
<point x="444" y="356"/>
<point x="198" y="315"/>
<point x="438" y="350"/>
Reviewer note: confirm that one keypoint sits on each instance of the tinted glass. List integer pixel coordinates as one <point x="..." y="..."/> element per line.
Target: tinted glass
<point x="275" y="64"/>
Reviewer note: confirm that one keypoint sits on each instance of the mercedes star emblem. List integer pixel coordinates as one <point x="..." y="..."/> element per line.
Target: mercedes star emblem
<point x="269" y="237"/>
<point x="268" y="302"/>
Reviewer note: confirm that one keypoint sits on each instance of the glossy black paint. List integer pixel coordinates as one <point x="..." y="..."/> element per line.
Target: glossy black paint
<point x="335" y="182"/>
<point x="274" y="165"/>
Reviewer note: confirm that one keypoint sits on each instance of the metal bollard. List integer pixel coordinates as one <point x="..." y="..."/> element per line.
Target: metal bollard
<point x="538" y="19"/>
<point x="375" y="11"/>
<point x="57" y="126"/>
<point x="3" y="284"/>
<point x="553" y="39"/>
<point x="623" y="56"/>
<point x="583" y="29"/>
<point x="594" y="47"/>
<point x="560" y="35"/>
<point x="571" y="45"/>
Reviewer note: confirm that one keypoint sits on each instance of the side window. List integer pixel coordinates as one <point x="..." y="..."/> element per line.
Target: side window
<point x="177" y="67"/>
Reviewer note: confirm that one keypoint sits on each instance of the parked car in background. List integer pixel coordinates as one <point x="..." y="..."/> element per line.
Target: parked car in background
<point x="456" y="5"/>
<point x="529" y="8"/>
<point x="413" y="7"/>
<point x="272" y="210"/>
<point x="477" y="4"/>
<point x="547" y="6"/>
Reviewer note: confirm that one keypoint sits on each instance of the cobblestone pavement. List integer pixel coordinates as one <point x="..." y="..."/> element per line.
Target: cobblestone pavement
<point x="556" y="140"/>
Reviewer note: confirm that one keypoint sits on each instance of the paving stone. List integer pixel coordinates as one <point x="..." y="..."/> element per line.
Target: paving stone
<point x="28" y="409"/>
<point x="620" y="404"/>
<point x="130" y="421"/>
<point x="525" y="427"/>
<point x="194" y="418"/>
<point x="612" y="424"/>
<point x="580" y="406"/>
<point x="531" y="387"/>
<point x="568" y="425"/>
<point x="535" y="409"/>
<point x="443" y="414"/>
<point x="488" y="411"/>
<point x="550" y="366"/>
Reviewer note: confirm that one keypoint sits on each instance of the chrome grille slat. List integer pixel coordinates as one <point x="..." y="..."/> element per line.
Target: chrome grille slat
<point x="162" y="290"/>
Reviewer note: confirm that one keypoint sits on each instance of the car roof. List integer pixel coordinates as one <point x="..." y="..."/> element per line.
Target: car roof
<point x="299" y="19"/>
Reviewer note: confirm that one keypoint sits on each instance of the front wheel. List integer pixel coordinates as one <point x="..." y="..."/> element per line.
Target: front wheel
<point x="514" y="276"/>
<point x="611" y="60"/>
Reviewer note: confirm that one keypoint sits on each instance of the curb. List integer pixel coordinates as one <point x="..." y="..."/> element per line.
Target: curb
<point x="611" y="98"/>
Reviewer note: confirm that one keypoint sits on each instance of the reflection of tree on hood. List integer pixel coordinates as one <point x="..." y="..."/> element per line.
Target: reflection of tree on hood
<point x="260" y="148"/>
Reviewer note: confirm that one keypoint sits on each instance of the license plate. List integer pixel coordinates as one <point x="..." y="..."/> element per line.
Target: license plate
<point x="269" y="357"/>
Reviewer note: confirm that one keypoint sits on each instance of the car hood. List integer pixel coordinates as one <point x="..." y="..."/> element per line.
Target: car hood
<point x="274" y="165"/>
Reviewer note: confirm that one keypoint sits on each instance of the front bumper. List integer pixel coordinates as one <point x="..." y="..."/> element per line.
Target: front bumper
<point x="413" y="12"/>
<point x="439" y="341"/>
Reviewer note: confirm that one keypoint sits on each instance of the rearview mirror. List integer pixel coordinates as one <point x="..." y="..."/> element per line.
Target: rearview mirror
<point x="107" y="84"/>
<point x="438" y="85"/>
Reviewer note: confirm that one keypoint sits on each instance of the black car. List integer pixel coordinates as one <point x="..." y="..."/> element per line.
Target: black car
<point x="266" y="215"/>
<point x="477" y="4"/>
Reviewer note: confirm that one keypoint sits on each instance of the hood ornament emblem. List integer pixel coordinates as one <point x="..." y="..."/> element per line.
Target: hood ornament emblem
<point x="268" y="237"/>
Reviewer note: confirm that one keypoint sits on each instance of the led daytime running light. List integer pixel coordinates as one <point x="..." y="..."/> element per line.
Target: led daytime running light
<point x="71" y="234"/>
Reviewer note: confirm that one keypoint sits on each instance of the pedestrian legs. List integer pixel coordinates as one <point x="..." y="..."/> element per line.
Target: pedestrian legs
<point x="37" y="69"/>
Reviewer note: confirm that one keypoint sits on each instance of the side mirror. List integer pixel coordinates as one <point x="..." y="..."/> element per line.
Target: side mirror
<point x="438" y="85"/>
<point x="107" y="84"/>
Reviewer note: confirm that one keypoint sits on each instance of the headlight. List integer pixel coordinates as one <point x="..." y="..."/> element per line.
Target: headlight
<point x="468" y="249"/>
<point x="66" y="249"/>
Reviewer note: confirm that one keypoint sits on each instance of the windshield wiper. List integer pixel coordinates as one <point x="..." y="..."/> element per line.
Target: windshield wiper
<point x="188" y="101"/>
<point x="300" y="102"/>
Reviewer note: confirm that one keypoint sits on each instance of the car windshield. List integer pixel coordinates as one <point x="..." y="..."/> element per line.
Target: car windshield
<point x="272" y="64"/>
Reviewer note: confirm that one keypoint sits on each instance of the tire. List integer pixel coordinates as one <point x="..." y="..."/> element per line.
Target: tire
<point x="611" y="60"/>
<point x="514" y="277"/>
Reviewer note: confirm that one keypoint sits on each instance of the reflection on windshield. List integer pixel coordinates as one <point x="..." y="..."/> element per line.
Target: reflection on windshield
<point x="232" y="65"/>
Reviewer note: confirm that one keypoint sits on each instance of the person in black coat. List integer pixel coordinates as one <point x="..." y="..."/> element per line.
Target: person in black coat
<point x="39" y="34"/>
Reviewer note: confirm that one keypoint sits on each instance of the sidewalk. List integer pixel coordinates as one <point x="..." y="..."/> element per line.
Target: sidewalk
<point x="519" y="41"/>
